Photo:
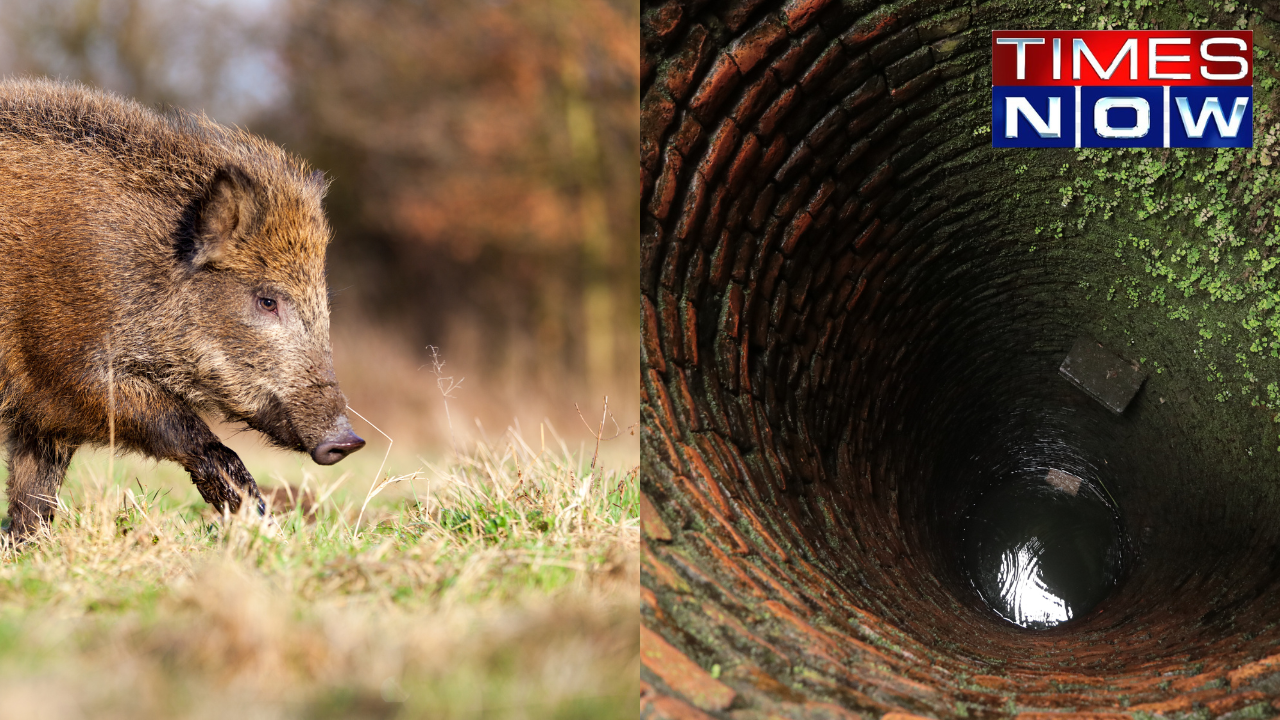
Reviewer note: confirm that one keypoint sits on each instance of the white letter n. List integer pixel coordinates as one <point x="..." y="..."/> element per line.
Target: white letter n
<point x="1015" y="105"/>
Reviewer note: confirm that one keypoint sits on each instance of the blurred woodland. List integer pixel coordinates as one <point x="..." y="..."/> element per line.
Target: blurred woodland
<point x="484" y="195"/>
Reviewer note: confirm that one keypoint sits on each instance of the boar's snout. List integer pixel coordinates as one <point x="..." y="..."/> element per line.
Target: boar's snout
<point x="333" y="449"/>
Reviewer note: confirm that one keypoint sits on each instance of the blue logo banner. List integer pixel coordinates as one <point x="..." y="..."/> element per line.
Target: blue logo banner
<point x="1112" y="116"/>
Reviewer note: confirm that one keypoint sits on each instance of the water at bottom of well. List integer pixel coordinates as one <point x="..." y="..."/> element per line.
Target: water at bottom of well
<point x="1043" y="547"/>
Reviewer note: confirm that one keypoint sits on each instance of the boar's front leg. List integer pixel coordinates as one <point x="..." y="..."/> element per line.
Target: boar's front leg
<point x="37" y="465"/>
<point x="220" y="476"/>
<point x="166" y="429"/>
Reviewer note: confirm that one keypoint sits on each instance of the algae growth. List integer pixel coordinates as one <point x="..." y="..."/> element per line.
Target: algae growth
<point x="1196" y="233"/>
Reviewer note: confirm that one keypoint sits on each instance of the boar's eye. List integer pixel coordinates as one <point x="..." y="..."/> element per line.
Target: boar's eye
<point x="268" y="304"/>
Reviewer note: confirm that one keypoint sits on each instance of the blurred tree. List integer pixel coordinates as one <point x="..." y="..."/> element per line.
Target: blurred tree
<point x="484" y="158"/>
<point x="217" y="56"/>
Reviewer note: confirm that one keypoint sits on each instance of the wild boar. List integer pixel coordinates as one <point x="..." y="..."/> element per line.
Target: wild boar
<point x="154" y="267"/>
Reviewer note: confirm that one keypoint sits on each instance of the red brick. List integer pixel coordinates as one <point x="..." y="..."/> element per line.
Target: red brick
<point x="736" y="13"/>
<point x="876" y="181"/>
<point x="690" y="332"/>
<point x="1254" y="670"/>
<point x="876" y="656"/>
<point x="662" y="707"/>
<point x="718" y="463"/>
<point x="727" y="620"/>
<point x="709" y="483"/>
<point x="810" y="639"/>
<point x="716" y="523"/>
<point x="1077" y="679"/>
<point x="731" y="311"/>
<point x="720" y="203"/>
<point x="1164" y="706"/>
<point x="654" y="428"/>
<point x="769" y="578"/>
<point x="871" y="208"/>
<point x="664" y="188"/>
<point x="824" y="129"/>
<point x="820" y="197"/>
<point x="661" y="571"/>
<point x="904" y="716"/>
<point x="684" y="401"/>
<point x="943" y="26"/>
<point x="727" y="362"/>
<point x="799" y="13"/>
<point x="1235" y="702"/>
<point x="1053" y="700"/>
<point x="681" y="674"/>
<point x="720" y="148"/>
<point x="828" y="62"/>
<point x="866" y="92"/>
<point x="1071" y="716"/>
<point x="745" y="512"/>
<point x="800" y="157"/>
<point x="741" y="581"/>
<point x="686" y="136"/>
<point x="791" y="202"/>
<point x="660" y="22"/>
<point x="814" y="579"/>
<point x="669" y="324"/>
<point x="994" y="682"/>
<point x="828" y="711"/>
<point x="915" y="85"/>
<point x="875" y="25"/>
<point x="694" y="202"/>
<point x="715" y="87"/>
<point x="692" y="570"/>
<point x="754" y="97"/>
<point x="754" y="45"/>
<point x="651" y="521"/>
<point x="663" y="400"/>
<point x="789" y="62"/>
<point x="776" y="111"/>
<point x="748" y="154"/>
<point x="1195" y="682"/>
<point x="863" y="238"/>
<point x="650" y="599"/>
<point x="656" y="113"/>
<point x="677" y="75"/>
<point x="800" y="222"/>
<point x="649" y="335"/>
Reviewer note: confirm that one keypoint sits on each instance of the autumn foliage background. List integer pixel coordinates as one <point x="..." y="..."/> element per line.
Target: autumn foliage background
<point x="484" y="195"/>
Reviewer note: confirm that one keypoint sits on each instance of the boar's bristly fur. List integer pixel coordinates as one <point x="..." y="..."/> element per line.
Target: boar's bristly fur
<point x="153" y="267"/>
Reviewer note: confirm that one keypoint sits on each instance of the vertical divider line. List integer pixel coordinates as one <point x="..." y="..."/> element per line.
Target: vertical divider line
<point x="1166" y="116"/>
<point x="1077" y="116"/>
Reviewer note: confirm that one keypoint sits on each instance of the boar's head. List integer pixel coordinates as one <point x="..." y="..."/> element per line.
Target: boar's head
<point x="256" y="311"/>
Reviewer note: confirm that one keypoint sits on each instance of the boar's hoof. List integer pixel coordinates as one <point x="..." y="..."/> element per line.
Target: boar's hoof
<point x="334" y="449"/>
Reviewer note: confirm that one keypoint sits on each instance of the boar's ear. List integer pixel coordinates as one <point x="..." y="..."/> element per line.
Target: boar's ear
<point x="227" y="214"/>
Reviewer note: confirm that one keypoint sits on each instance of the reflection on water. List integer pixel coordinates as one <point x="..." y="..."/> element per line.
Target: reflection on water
<point x="1028" y="599"/>
<point x="1042" y="548"/>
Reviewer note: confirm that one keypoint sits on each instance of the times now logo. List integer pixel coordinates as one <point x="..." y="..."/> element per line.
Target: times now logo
<point x="1121" y="88"/>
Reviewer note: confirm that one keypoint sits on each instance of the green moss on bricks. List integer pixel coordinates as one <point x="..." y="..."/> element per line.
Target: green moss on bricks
<point x="1197" y="234"/>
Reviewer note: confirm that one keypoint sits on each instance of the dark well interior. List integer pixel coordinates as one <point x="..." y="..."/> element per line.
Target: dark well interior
<point x="846" y="341"/>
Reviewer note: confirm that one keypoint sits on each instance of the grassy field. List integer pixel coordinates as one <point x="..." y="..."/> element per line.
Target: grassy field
<point x="499" y="582"/>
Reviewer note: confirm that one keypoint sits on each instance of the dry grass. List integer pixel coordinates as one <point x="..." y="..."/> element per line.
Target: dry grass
<point x="501" y="584"/>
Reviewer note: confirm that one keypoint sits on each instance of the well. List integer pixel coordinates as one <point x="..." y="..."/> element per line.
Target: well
<point x="853" y="314"/>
